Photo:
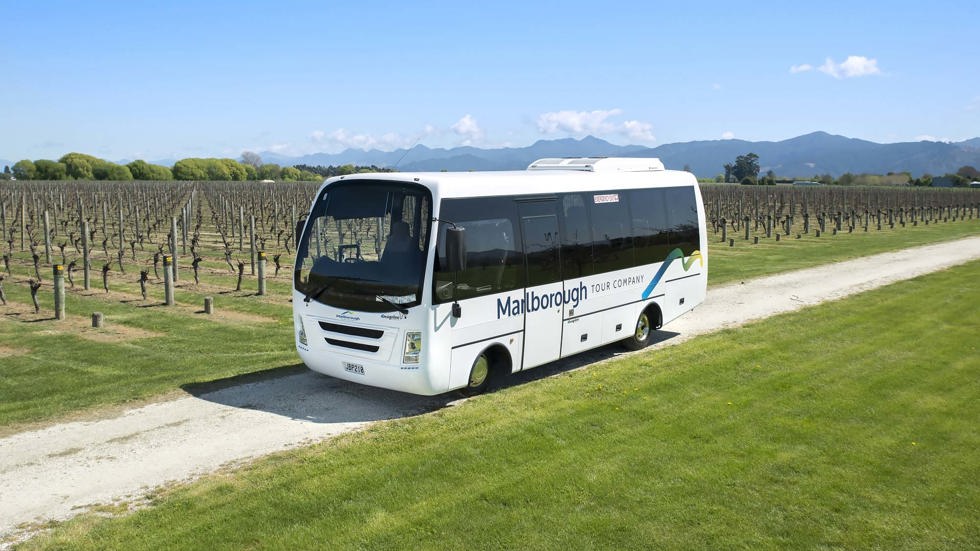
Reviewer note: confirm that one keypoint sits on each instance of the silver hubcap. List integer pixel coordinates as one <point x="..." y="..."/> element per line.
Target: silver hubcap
<point x="642" y="328"/>
<point x="480" y="370"/>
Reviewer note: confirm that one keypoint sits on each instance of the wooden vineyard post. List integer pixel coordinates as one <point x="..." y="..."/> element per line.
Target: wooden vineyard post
<point x="97" y="320"/>
<point x="168" y="280"/>
<point x="173" y="247"/>
<point x="59" y="291"/>
<point x="86" y="268"/>
<point x="261" y="290"/>
<point x="23" y="218"/>
<point x="724" y="230"/>
<point x="122" y="242"/>
<point x="745" y="221"/>
<point x="209" y="305"/>
<point x="47" y="239"/>
<point x="241" y="228"/>
<point x="251" y="243"/>
<point x="296" y="237"/>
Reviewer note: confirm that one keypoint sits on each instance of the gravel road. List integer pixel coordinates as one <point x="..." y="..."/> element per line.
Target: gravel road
<point x="57" y="472"/>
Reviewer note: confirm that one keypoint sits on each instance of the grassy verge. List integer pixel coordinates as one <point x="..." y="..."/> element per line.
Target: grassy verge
<point x="850" y="424"/>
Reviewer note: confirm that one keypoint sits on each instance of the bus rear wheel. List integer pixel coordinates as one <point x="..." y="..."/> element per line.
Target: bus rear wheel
<point x="641" y="333"/>
<point x="479" y="375"/>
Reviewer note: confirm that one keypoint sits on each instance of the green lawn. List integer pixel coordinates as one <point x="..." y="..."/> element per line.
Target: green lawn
<point x="851" y="424"/>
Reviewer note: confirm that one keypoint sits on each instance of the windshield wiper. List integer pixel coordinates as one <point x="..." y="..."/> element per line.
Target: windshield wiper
<point x="316" y="293"/>
<point x="394" y="305"/>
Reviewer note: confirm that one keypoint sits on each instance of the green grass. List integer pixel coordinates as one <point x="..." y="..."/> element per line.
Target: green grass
<point x="745" y="260"/>
<point x="846" y="425"/>
<point x="56" y="371"/>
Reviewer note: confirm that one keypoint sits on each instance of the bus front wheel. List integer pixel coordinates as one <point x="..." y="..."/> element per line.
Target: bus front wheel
<point x="479" y="375"/>
<point x="641" y="333"/>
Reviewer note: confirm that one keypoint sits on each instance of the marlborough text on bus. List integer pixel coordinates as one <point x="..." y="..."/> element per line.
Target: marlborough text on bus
<point x="532" y="302"/>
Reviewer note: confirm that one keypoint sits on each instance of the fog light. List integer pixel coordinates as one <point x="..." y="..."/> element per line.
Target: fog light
<point x="302" y="331"/>
<point x="413" y="347"/>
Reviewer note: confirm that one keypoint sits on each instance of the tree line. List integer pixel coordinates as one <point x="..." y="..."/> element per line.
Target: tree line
<point x="745" y="170"/>
<point x="79" y="166"/>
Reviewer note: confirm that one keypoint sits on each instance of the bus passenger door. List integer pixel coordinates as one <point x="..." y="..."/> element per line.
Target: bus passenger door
<point x="543" y="308"/>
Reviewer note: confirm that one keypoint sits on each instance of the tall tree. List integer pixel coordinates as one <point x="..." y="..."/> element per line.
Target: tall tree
<point x="50" y="170"/>
<point x="969" y="172"/>
<point x="25" y="170"/>
<point x="746" y="166"/>
<point x="252" y="159"/>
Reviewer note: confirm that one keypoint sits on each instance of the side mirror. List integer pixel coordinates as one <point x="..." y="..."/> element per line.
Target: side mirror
<point x="456" y="249"/>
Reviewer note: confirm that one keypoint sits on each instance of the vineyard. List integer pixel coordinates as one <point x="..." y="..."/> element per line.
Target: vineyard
<point x="764" y="212"/>
<point x="114" y="237"/>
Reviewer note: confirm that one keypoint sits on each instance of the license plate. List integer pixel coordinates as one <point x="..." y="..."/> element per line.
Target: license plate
<point x="354" y="368"/>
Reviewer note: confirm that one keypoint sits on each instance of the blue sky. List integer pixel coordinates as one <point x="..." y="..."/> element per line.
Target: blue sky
<point x="165" y="80"/>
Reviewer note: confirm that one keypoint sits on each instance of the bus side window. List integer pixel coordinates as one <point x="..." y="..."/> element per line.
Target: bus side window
<point x="576" y="233"/>
<point x="650" y="225"/>
<point x="493" y="262"/>
<point x="682" y="219"/>
<point x="612" y="239"/>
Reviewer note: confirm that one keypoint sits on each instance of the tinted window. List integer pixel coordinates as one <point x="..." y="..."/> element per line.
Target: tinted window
<point x="612" y="241"/>
<point x="576" y="252"/>
<point x="682" y="219"/>
<point x="650" y="227"/>
<point x="541" y="249"/>
<point x="494" y="262"/>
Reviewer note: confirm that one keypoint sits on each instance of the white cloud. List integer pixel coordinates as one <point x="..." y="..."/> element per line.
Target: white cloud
<point x="929" y="138"/>
<point x="344" y="139"/>
<point x="727" y="135"/>
<point x="801" y="68"/>
<point x="715" y="86"/>
<point x="468" y="129"/>
<point x="597" y="123"/>
<point x="853" y="66"/>
<point x="577" y="122"/>
<point x="317" y="135"/>
<point x="638" y="131"/>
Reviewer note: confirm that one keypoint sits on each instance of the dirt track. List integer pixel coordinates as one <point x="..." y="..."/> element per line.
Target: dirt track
<point x="59" y="471"/>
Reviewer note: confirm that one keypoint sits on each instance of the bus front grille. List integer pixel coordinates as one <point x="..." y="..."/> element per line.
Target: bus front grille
<point x="353" y="331"/>
<point x="353" y="345"/>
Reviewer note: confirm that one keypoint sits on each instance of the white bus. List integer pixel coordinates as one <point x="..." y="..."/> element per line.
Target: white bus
<point x="431" y="282"/>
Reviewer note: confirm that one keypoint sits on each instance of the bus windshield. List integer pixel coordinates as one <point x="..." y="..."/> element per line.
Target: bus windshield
<point x="364" y="246"/>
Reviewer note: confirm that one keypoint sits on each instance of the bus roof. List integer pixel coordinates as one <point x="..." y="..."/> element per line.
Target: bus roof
<point x="548" y="177"/>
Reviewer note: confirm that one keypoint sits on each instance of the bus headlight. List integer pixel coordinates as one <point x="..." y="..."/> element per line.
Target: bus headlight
<point x="300" y="331"/>
<point x="413" y="347"/>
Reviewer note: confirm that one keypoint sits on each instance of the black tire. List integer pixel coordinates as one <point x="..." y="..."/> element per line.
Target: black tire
<point x="479" y="375"/>
<point x="641" y="333"/>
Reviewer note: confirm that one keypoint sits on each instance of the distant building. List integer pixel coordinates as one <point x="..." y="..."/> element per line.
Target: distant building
<point x="975" y="185"/>
<point x="806" y="183"/>
<point x="942" y="181"/>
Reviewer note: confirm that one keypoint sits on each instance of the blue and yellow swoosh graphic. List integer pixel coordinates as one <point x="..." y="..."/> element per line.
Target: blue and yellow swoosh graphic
<point x="673" y="255"/>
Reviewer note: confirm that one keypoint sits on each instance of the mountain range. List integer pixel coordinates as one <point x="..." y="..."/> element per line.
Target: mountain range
<point x="802" y="156"/>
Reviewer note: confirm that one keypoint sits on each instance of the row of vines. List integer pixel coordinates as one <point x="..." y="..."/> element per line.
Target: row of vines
<point x="766" y="210"/>
<point x="121" y="230"/>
